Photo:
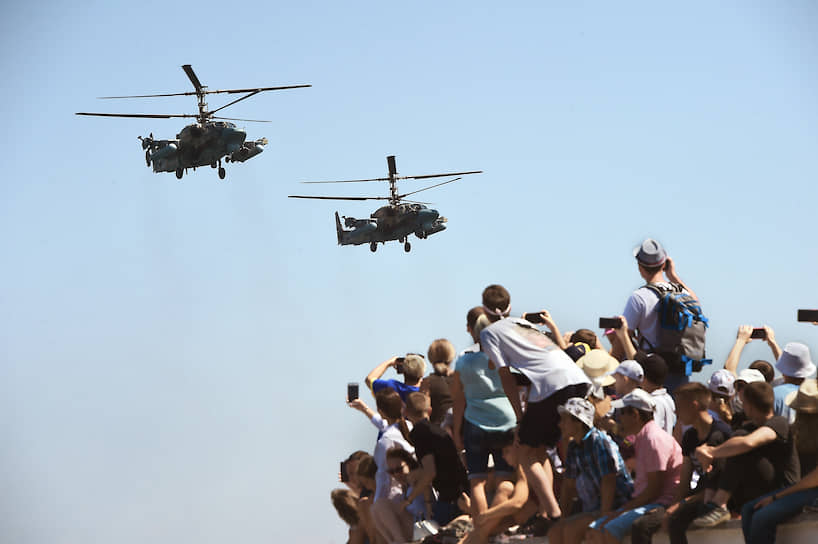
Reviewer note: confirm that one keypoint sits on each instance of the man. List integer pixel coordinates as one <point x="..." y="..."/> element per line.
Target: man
<point x="594" y="472"/>
<point x="658" y="468"/>
<point x="655" y="370"/>
<point x="640" y="310"/>
<point x="795" y="365"/>
<point x="554" y="379"/>
<point x="439" y="460"/>
<point x="760" y="457"/>
<point x="412" y="367"/>
<point x="628" y="375"/>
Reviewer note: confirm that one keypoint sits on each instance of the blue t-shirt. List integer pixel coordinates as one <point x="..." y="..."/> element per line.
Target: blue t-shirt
<point x="402" y="389"/>
<point x="780" y="407"/>
<point x="486" y="403"/>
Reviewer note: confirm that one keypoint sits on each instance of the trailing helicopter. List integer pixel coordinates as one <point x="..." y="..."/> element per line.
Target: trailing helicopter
<point x="204" y="143"/>
<point x="395" y="221"/>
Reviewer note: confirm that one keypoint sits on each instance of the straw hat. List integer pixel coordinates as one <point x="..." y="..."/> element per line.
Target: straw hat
<point x="805" y="399"/>
<point x="596" y="364"/>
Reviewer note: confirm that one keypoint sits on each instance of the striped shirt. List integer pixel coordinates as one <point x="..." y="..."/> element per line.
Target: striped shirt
<point x="588" y="461"/>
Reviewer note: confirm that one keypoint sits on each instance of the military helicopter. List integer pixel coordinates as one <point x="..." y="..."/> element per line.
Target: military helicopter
<point x="205" y="142"/>
<point x="395" y="221"/>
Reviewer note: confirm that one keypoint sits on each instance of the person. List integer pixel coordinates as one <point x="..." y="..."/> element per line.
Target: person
<point x="412" y="366"/>
<point x="760" y="517"/>
<point x="554" y="379"/>
<point x="641" y="315"/>
<point x="692" y="401"/>
<point x="437" y="385"/>
<point x="599" y="365"/>
<point x="482" y="415"/>
<point x="760" y="457"/>
<point x="365" y="473"/>
<point x="658" y="469"/>
<point x="439" y="460"/>
<point x="345" y="502"/>
<point x="628" y="375"/>
<point x="595" y="473"/>
<point x="722" y="387"/>
<point x="795" y="365"/>
<point x="404" y="467"/>
<point x="388" y="493"/>
<point x="655" y="372"/>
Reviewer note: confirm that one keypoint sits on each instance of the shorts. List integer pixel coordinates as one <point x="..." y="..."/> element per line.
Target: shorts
<point x="479" y="444"/>
<point x="539" y="426"/>
<point x="621" y="525"/>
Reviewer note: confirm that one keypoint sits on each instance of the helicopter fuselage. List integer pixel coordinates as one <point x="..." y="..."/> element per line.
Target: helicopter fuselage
<point x="390" y="223"/>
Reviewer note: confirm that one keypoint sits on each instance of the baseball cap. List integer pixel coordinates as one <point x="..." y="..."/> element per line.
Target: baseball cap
<point x="750" y="375"/>
<point x="795" y="361"/>
<point x="631" y="369"/>
<point x="650" y="253"/>
<point x="721" y="382"/>
<point x="580" y="409"/>
<point x="638" y="398"/>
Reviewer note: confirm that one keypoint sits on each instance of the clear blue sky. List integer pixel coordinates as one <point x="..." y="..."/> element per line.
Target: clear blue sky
<point x="174" y="355"/>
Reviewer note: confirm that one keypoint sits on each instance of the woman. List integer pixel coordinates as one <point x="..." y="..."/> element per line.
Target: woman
<point x="403" y="467"/>
<point x="760" y="518"/>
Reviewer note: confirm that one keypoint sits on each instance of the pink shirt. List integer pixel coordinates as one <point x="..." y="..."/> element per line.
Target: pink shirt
<point x="657" y="451"/>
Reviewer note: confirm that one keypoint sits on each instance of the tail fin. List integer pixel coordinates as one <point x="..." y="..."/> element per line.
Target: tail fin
<point x="338" y="228"/>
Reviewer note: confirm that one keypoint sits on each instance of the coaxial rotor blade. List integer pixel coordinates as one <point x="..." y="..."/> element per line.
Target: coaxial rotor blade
<point x="427" y="176"/>
<point x="192" y="76"/>
<point x="257" y="89"/>
<point x="237" y="100"/>
<point x="137" y="115"/>
<point x="349" y="180"/>
<point x="341" y="197"/>
<point x="390" y="161"/>
<point x="148" y="95"/>
<point x="429" y="187"/>
<point x="237" y="119"/>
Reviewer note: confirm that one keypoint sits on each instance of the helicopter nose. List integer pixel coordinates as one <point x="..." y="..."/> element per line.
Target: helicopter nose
<point x="428" y="216"/>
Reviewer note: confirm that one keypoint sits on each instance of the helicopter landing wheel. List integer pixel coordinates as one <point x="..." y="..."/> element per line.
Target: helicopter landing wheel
<point x="373" y="246"/>
<point x="407" y="247"/>
<point x="179" y="173"/>
<point x="148" y="157"/>
<point x="214" y="164"/>
<point x="222" y="173"/>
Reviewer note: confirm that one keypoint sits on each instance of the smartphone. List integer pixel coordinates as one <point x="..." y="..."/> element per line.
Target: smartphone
<point x="810" y="316"/>
<point x="344" y="473"/>
<point x="533" y="317"/>
<point x="609" y="322"/>
<point x="759" y="332"/>
<point x="399" y="364"/>
<point x="352" y="391"/>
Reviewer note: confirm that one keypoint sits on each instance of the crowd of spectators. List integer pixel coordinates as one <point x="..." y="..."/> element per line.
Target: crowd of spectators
<point x="531" y="431"/>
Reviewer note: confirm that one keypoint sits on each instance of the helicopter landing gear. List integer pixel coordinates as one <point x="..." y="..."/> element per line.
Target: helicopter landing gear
<point x="148" y="157"/>
<point x="214" y="164"/>
<point x="407" y="247"/>
<point x="179" y="173"/>
<point x="373" y="246"/>
<point x="222" y="172"/>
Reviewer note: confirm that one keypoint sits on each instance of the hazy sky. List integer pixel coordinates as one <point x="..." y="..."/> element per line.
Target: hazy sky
<point x="174" y="355"/>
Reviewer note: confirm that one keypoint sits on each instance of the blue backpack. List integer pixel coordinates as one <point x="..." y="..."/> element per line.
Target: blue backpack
<point x="682" y="327"/>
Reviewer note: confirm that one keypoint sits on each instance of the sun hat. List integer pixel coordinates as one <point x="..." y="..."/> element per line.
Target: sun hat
<point x="630" y="369"/>
<point x="721" y="382"/>
<point x="805" y="399"/>
<point x="597" y="365"/>
<point x="750" y="375"/>
<point x="581" y="409"/>
<point x="638" y="398"/>
<point x="650" y="253"/>
<point x="795" y="361"/>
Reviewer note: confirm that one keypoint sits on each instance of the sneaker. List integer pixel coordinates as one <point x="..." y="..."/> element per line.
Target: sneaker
<point x="713" y="515"/>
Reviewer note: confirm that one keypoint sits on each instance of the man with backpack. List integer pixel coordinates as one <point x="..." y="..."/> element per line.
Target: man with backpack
<point x="665" y="315"/>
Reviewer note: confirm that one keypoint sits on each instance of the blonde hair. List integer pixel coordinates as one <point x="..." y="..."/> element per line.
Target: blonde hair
<point x="441" y="353"/>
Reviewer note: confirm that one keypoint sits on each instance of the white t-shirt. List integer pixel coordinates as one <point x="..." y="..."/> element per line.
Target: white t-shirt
<point x="516" y="343"/>
<point x="664" y="411"/>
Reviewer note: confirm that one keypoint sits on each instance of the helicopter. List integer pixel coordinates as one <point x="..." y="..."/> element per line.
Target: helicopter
<point x="395" y="221"/>
<point x="205" y="142"/>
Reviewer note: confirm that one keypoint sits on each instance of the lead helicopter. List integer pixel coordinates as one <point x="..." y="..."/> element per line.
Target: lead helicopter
<point x="395" y="221"/>
<point x="204" y="143"/>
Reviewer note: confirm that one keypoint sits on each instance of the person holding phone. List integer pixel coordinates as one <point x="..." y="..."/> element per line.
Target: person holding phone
<point x="412" y="366"/>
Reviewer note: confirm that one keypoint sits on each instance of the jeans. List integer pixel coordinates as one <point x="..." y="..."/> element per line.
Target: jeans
<point x="759" y="526"/>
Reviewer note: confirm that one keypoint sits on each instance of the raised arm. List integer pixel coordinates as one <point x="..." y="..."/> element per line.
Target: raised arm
<point x="772" y="343"/>
<point x="552" y="326"/>
<point x="623" y="335"/>
<point x="673" y="277"/>
<point x="742" y="339"/>
<point x="378" y="371"/>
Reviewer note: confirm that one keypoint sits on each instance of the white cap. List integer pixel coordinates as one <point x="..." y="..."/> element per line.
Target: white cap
<point x="750" y="375"/>
<point x="581" y="409"/>
<point x="631" y="369"/>
<point x="638" y="398"/>
<point x="721" y="382"/>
